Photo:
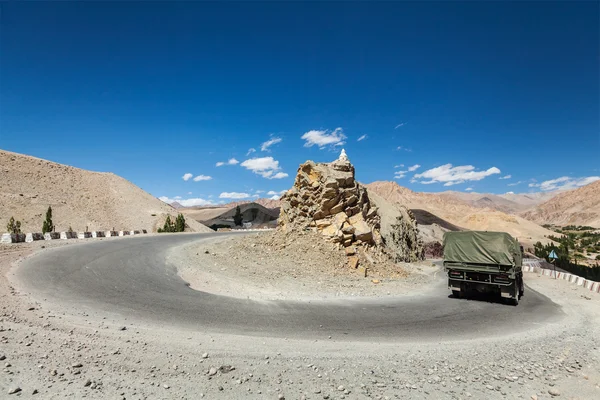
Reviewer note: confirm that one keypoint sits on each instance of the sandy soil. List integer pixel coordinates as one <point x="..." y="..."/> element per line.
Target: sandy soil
<point x="59" y="354"/>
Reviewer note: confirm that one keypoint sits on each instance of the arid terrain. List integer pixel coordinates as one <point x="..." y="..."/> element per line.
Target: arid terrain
<point x="82" y="352"/>
<point x="278" y="314"/>
<point x="79" y="199"/>
<point x="455" y="211"/>
<point x="575" y="207"/>
<point x="510" y="203"/>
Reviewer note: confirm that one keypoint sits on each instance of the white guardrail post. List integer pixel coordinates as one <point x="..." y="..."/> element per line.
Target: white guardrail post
<point x="533" y="265"/>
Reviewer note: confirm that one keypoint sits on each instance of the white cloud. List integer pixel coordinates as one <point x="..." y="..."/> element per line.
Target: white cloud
<point x="250" y="151"/>
<point x="509" y="193"/>
<point x="231" y="161"/>
<point x="324" y="138"/>
<point x="189" y="193"/>
<point x="399" y="174"/>
<point x="187" y="177"/>
<point x="450" y="175"/>
<point x="266" y="167"/>
<point x="275" y="195"/>
<point x="177" y="197"/>
<point x="414" y="168"/>
<point x="403" y="148"/>
<point x="363" y="137"/>
<point x="515" y="183"/>
<point x="186" y="202"/>
<point x="400" y="125"/>
<point x="259" y="191"/>
<point x="233" y="195"/>
<point x="202" y="178"/>
<point x="399" y="166"/>
<point x="274" y="140"/>
<point x="279" y="175"/>
<point x="469" y="189"/>
<point x="564" y="183"/>
<point x="505" y="177"/>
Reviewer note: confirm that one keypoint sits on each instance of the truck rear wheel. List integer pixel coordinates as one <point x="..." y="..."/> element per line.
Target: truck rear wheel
<point x="517" y="292"/>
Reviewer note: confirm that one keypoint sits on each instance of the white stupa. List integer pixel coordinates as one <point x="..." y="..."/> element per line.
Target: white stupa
<point x="343" y="156"/>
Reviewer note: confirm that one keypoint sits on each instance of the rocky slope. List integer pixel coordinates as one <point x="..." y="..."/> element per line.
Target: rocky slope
<point x="79" y="199"/>
<point x="461" y="214"/>
<point x="327" y="199"/>
<point x="575" y="207"/>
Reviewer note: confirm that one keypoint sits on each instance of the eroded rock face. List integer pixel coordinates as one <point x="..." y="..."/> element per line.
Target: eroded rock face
<point x="326" y="198"/>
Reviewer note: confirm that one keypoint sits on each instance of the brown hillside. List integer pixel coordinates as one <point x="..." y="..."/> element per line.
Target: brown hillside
<point x="462" y="214"/>
<point x="510" y="203"/>
<point x="575" y="207"/>
<point x="79" y="198"/>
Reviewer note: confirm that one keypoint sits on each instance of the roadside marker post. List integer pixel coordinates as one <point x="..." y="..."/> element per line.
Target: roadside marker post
<point x="553" y="257"/>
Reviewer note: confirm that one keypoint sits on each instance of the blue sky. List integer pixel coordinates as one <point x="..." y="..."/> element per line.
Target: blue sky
<point x="468" y="92"/>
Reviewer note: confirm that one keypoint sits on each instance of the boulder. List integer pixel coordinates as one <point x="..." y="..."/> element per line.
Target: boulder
<point x="353" y="262"/>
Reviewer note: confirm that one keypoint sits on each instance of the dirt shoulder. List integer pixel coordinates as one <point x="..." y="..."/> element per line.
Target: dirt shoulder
<point x="257" y="267"/>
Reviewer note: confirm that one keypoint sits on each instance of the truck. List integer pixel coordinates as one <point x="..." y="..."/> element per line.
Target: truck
<point x="484" y="262"/>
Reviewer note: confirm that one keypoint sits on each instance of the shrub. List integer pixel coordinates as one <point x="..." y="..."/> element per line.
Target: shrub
<point x="214" y="227"/>
<point x="170" y="226"/>
<point x="13" y="226"/>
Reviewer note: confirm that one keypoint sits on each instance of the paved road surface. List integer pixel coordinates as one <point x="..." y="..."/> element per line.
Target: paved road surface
<point x="129" y="276"/>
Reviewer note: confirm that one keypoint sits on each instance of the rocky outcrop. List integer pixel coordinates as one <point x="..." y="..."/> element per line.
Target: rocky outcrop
<point x="327" y="198"/>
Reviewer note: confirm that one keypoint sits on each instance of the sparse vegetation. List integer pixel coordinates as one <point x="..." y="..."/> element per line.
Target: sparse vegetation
<point x="575" y="240"/>
<point x="170" y="226"/>
<point x="13" y="226"/>
<point x="48" y="226"/>
<point x="238" y="218"/>
<point x="564" y="262"/>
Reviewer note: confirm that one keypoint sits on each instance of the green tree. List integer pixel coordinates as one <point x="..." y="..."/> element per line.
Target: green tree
<point x="48" y="224"/>
<point x="238" y="218"/>
<point x="180" y="223"/>
<point x="169" y="226"/>
<point x="13" y="226"/>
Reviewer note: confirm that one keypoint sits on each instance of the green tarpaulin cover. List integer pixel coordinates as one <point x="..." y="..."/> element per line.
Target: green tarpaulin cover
<point x="482" y="248"/>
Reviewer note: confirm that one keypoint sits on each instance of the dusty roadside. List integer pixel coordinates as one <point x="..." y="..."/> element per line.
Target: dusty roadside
<point x="89" y="355"/>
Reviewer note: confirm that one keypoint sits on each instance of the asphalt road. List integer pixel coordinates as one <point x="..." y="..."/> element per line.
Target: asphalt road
<point x="129" y="277"/>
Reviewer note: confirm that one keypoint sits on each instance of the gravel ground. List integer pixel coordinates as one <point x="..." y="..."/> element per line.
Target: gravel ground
<point x="59" y="355"/>
<point x="298" y="267"/>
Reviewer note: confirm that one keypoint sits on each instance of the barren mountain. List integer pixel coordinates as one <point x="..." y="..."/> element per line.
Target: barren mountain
<point x="267" y="203"/>
<point x="452" y="210"/>
<point x="80" y="199"/>
<point x="510" y="203"/>
<point x="575" y="207"/>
